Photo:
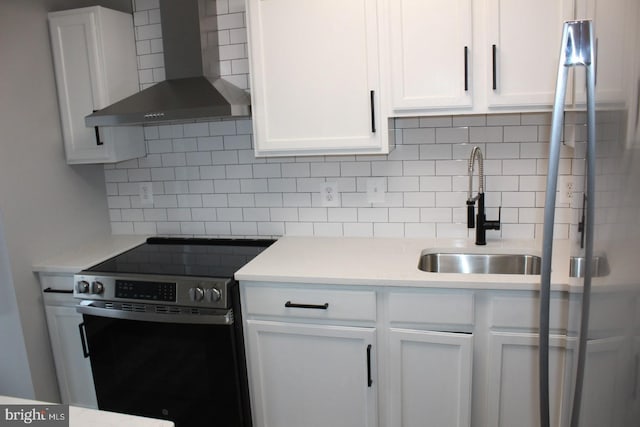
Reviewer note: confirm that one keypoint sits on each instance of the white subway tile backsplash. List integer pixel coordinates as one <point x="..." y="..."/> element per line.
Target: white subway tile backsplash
<point x="154" y="215"/>
<point x="436" y="183"/>
<point x="418" y="136"/>
<point x="273" y="229"/>
<point x="452" y="135"/>
<point x="503" y="150"/>
<point x="207" y="180"/>
<point x="418" y="167"/>
<point x="382" y="229"/>
<point x="435" y="215"/>
<point x="401" y="215"/>
<point x="356" y="229"/>
<point x="435" y="152"/>
<point x="298" y="228"/>
<point x="189" y="200"/>
<point x="403" y="183"/>
<point x="296" y="199"/>
<point x="424" y="230"/>
<point x="179" y="214"/>
<point x="435" y="122"/>
<point x="355" y="169"/>
<point x="241" y="200"/>
<point x="192" y="228"/>
<point x="520" y="133"/>
<point x="168" y="228"/>
<point x="165" y="201"/>
<point x="519" y="167"/>
<point x="284" y="214"/>
<point x="419" y="199"/>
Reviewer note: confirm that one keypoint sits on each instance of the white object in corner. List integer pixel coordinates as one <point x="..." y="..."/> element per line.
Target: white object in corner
<point x="95" y="65"/>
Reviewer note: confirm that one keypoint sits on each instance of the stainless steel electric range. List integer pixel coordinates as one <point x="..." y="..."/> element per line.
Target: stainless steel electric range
<point x="162" y="330"/>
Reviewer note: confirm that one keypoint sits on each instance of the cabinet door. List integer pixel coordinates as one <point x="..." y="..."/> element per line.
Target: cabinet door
<point x="607" y="380"/>
<point x="315" y="77"/>
<point x="513" y="387"/>
<point x="523" y="49"/>
<point x="430" y="378"/>
<point x="311" y="375"/>
<point x="72" y="368"/>
<point x="95" y="65"/>
<point x="74" y="39"/>
<point x="613" y="25"/>
<point x="430" y="54"/>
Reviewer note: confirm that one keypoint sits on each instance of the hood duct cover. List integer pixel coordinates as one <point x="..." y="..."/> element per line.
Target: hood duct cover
<point x="193" y="88"/>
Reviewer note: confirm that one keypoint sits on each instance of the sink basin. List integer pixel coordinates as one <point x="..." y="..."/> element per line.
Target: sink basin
<point x="472" y="263"/>
<point x="578" y="266"/>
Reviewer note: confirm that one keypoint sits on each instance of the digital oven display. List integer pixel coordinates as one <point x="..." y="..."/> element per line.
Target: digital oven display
<point x="153" y="291"/>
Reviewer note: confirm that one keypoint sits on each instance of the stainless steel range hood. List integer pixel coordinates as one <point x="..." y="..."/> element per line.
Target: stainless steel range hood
<point x="193" y="88"/>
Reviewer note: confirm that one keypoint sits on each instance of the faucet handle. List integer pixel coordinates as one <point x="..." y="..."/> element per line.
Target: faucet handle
<point x="471" y="204"/>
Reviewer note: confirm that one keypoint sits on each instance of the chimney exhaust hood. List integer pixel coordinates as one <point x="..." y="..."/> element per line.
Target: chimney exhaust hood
<point x="193" y="88"/>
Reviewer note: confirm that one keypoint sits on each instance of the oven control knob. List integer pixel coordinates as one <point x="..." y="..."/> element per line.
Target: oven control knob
<point x="213" y="295"/>
<point x="97" y="287"/>
<point x="196" y="294"/>
<point x="82" y="287"/>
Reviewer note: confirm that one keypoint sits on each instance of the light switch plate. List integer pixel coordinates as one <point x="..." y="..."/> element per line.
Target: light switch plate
<point x="376" y="190"/>
<point x="146" y="194"/>
<point x="329" y="195"/>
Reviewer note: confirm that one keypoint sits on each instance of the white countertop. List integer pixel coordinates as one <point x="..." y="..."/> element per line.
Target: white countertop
<point x="83" y="417"/>
<point x="392" y="262"/>
<point x="88" y="254"/>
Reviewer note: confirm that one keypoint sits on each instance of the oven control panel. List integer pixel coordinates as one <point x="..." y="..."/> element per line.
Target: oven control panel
<point x="191" y="291"/>
<point x="150" y="291"/>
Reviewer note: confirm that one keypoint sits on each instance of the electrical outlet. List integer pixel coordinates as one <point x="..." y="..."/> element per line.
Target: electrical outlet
<point x="376" y="190"/>
<point x="565" y="189"/>
<point x="146" y="194"/>
<point x="329" y="196"/>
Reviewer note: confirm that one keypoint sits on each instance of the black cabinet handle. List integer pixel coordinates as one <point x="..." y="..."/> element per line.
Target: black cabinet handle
<point x="373" y="112"/>
<point x="495" y="80"/>
<point x="83" y="340"/>
<point x="58" y="291"/>
<point x="290" y="304"/>
<point x="98" y="142"/>
<point x="369" y="379"/>
<point x="634" y="392"/>
<point x="637" y="107"/>
<point x="466" y="68"/>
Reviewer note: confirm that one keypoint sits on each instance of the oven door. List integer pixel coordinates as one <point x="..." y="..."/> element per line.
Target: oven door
<point x="191" y="374"/>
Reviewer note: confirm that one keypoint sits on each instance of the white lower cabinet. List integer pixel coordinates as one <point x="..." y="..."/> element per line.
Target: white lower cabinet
<point x="73" y="370"/>
<point x="607" y="383"/>
<point x="330" y="355"/>
<point x="312" y="375"/>
<point x="430" y="378"/>
<point x="513" y="390"/>
<point x="311" y="355"/>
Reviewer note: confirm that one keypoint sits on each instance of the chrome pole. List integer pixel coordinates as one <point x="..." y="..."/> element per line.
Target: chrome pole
<point x="590" y="68"/>
<point x="576" y="49"/>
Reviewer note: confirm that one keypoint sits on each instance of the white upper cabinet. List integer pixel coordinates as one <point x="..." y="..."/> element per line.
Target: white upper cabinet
<point x="315" y="77"/>
<point x="615" y="40"/>
<point x="95" y="65"/>
<point x="461" y="57"/>
<point x="430" y="48"/>
<point x="523" y="42"/>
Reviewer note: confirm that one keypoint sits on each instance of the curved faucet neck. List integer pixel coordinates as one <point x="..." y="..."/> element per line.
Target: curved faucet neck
<point x="476" y="153"/>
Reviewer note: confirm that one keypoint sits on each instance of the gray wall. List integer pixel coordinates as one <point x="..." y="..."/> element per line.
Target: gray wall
<point x="47" y="205"/>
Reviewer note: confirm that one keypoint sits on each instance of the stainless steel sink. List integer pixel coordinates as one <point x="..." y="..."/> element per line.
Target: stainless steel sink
<point x="578" y="266"/>
<point x="472" y="263"/>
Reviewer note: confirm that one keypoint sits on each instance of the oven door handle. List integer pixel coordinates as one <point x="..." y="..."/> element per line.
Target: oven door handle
<point x="224" y="317"/>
